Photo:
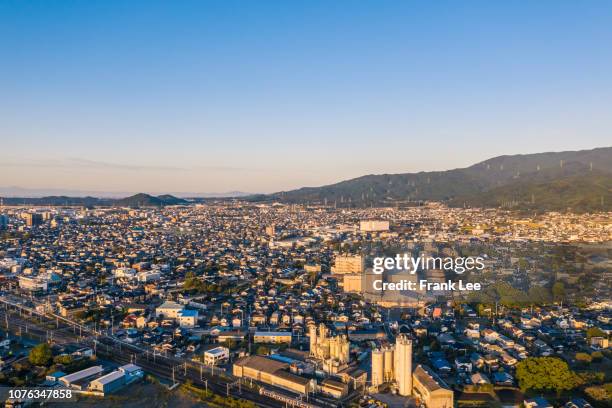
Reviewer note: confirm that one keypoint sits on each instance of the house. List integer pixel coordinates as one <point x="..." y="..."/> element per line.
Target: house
<point x="55" y="376"/>
<point x="537" y="402"/>
<point x="490" y="361"/>
<point x="257" y="319"/>
<point x="463" y="364"/>
<point x="84" y="352"/>
<point x="502" y="378"/>
<point x="272" y="337"/>
<point x="505" y="342"/>
<point x="599" y="343"/>
<point x="188" y="318"/>
<point x="578" y="403"/>
<point x="216" y="356"/>
<point x="169" y="310"/>
<point x="234" y="335"/>
<point x="441" y="366"/>
<point x="471" y="333"/>
<point x="490" y="336"/>
<point x="479" y="378"/>
<point x="507" y="359"/>
<point x="274" y="319"/>
<point x="132" y="372"/>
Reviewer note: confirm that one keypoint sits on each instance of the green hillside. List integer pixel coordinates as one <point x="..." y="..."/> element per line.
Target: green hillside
<point x="504" y="180"/>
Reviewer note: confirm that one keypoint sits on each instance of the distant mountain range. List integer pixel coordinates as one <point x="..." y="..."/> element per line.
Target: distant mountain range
<point x="576" y="180"/>
<point x="137" y="200"/>
<point x="16" y="191"/>
<point x="146" y="200"/>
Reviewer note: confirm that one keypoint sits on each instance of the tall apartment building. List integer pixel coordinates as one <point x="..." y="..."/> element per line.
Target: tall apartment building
<point x="373" y="225"/>
<point x="348" y="264"/>
<point x="3" y="221"/>
<point x="33" y="219"/>
<point x="352" y="282"/>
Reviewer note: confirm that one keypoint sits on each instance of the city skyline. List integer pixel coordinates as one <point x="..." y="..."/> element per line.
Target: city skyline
<point x="217" y="97"/>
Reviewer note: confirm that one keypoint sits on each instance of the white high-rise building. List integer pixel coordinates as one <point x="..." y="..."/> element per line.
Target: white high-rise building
<point x="403" y="365"/>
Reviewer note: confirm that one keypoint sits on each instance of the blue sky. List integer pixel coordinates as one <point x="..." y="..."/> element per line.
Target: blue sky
<point x="200" y="96"/>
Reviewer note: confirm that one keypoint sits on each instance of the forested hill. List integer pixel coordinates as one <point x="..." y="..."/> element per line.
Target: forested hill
<point x="575" y="180"/>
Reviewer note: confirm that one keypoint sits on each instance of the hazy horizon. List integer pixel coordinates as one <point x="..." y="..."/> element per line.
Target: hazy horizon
<point x="201" y="97"/>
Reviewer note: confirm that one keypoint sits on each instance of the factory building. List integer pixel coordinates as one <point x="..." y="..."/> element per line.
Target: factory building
<point x="394" y="364"/>
<point x="430" y="390"/>
<point x="333" y="351"/>
<point x="334" y="388"/>
<point x="272" y="372"/>
<point x="388" y="364"/>
<point x="403" y="365"/>
<point x="80" y="379"/>
<point x="108" y="383"/>
<point x="378" y="371"/>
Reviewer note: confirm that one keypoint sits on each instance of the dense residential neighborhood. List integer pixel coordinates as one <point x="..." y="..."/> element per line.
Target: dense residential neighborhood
<point x="274" y="302"/>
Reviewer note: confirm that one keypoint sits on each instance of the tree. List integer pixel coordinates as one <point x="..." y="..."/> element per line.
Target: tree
<point x="64" y="359"/>
<point x="192" y="282"/>
<point x="591" y="378"/>
<point x="558" y="291"/>
<point x="40" y="355"/>
<point x="595" y="332"/>
<point x="584" y="358"/>
<point x="523" y="264"/>
<point x="539" y="295"/>
<point x="546" y="374"/>
<point x="597" y="393"/>
<point x="263" y="350"/>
